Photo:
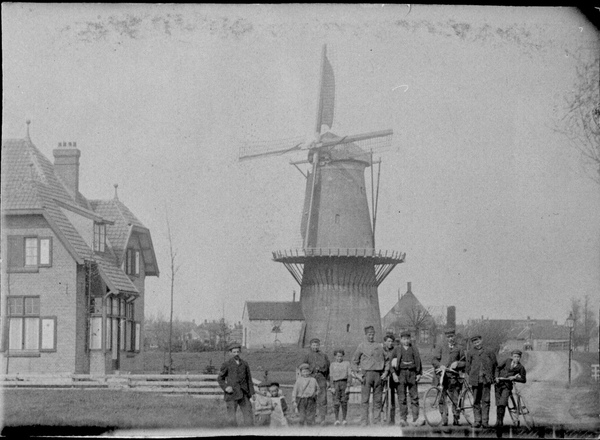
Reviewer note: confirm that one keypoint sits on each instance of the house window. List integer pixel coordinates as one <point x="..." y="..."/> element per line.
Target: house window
<point x="28" y="332"/>
<point x="347" y="328"/>
<point x="132" y="262"/>
<point x="120" y="327"/>
<point x="26" y="254"/>
<point x="31" y="251"/>
<point x="95" y="324"/>
<point x="337" y="219"/>
<point x="99" y="237"/>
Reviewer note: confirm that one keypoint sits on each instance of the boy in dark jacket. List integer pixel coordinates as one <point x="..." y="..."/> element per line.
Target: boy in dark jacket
<point x="406" y="371"/>
<point x="509" y="371"/>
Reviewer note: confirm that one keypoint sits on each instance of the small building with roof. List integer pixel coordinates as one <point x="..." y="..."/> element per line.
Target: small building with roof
<point x="269" y="324"/>
<point x="73" y="269"/>
<point x="409" y="314"/>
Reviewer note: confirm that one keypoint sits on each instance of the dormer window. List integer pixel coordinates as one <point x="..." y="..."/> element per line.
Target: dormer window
<point x="99" y="237"/>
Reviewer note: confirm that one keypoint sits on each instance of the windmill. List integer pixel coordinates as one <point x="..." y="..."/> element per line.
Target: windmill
<point x="338" y="268"/>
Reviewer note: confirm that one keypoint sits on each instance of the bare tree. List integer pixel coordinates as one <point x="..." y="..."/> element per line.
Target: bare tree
<point x="174" y="269"/>
<point x="585" y="322"/>
<point x="493" y="333"/>
<point x="578" y="124"/>
<point x="418" y="318"/>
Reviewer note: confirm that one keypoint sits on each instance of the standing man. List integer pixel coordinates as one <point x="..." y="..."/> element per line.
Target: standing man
<point x="235" y="379"/>
<point x="509" y="371"/>
<point x="388" y="351"/>
<point x="449" y="355"/>
<point x="369" y="357"/>
<point x="318" y="363"/>
<point x="407" y="371"/>
<point x="481" y="371"/>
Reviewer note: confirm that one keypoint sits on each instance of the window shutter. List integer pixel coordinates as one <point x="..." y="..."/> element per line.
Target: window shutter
<point x="16" y="251"/>
<point x="4" y="342"/>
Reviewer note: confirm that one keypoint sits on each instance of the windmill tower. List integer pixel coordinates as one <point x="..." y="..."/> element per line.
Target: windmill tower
<point x="338" y="268"/>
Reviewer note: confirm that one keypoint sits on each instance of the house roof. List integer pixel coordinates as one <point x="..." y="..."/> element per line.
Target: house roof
<point x="540" y="331"/>
<point x="119" y="233"/>
<point x="406" y="311"/>
<point x="30" y="185"/>
<point x="274" y="311"/>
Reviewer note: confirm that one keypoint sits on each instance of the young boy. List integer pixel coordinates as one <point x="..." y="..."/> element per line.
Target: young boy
<point x="407" y="371"/>
<point x="509" y="371"/>
<point x="304" y="396"/>
<point x="339" y="375"/>
<point x="263" y="405"/>
<point x="388" y="351"/>
<point x="279" y="406"/>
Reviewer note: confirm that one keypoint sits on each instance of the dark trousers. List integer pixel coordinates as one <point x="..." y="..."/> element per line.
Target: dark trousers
<point x="453" y="386"/>
<point x="502" y="396"/>
<point x="481" y="403"/>
<point x="307" y="407"/>
<point x="245" y="407"/>
<point x="321" y="397"/>
<point x="340" y="398"/>
<point x="393" y="389"/>
<point x="372" y="381"/>
<point x="407" y="381"/>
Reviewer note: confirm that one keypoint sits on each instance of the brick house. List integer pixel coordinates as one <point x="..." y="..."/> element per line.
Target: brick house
<point x="73" y="269"/>
<point x="409" y="314"/>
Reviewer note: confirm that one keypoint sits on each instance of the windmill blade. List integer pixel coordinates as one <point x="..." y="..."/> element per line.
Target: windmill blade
<point x="326" y="96"/>
<point x="253" y="150"/>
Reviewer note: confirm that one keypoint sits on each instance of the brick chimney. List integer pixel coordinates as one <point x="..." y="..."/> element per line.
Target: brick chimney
<point x="66" y="165"/>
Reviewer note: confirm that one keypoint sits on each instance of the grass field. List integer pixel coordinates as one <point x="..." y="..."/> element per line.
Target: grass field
<point x="586" y="359"/>
<point x="108" y="409"/>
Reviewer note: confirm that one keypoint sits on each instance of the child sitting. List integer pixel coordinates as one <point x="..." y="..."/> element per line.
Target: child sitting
<point x="304" y="396"/>
<point x="263" y="405"/>
<point x="278" y="416"/>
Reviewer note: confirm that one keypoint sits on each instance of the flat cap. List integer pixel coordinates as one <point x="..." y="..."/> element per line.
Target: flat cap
<point x="369" y="328"/>
<point x="304" y="366"/>
<point x="519" y="352"/>
<point x="317" y="340"/>
<point x="449" y="332"/>
<point x="474" y="338"/>
<point x="405" y="333"/>
<point x="234" y="345"/>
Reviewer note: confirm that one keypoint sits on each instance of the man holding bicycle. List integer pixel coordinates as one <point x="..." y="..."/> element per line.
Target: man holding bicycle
<point x="509" y="371"/>
<point x="449" y="356"/>
<point x="481" y="371"/>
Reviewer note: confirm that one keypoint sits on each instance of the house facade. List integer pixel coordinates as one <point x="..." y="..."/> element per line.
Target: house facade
<point x="267" y="324"/>
<point x="409" y="314"/>
<point x="73" y="269"/>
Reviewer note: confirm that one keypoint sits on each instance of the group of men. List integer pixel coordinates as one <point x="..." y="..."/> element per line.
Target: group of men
<point x="380" y="366"/>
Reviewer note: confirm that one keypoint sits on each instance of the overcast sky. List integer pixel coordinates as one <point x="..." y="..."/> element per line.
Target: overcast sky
<point x="492" y="207"/>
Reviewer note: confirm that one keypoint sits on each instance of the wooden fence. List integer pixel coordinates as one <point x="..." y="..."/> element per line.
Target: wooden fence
<point x="200" y="385"/>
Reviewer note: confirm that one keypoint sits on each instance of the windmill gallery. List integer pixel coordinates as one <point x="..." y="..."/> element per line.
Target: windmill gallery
<point x="338" y="267"/>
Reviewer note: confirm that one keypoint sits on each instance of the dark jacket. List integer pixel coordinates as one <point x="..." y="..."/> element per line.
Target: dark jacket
<point x="481" y="361"/>
<point x="408" y="359"/>
<point x="318" y="363"/>
<point x="237" y="377"/>
<point x="444" y="355"/>
<point x="505" y="370"/>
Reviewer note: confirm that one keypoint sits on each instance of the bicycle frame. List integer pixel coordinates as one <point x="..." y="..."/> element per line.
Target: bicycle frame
<point x="435" y="395"/>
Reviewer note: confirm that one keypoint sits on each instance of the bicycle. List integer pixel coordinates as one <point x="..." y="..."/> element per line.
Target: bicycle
<point x="518" y="410"/>
<point x="433" y="399"/>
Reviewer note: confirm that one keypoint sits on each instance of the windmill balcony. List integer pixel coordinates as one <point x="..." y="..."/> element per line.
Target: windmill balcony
<point x="339" y="252"/>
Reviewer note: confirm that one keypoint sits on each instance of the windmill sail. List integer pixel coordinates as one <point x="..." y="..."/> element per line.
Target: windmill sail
<point x="326" y="94"/>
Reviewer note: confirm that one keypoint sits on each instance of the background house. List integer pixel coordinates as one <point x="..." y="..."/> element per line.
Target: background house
<point x="73" y="270"/>
<point x="409" y="314"/>
<point x="264" y="323"/>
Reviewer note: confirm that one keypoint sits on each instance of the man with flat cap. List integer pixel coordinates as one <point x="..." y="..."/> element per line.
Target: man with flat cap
<point x="481" y="371"/>
<point x="449" y="356"/>
<point x="236" y="381"/>
<point x="509" y="371"/>
<point x="319" y="369"/>
<point x="370" y="359"/>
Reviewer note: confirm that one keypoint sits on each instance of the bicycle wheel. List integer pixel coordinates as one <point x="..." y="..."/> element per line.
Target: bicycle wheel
<point x="465" y="405"/>
<point x="431" y="404"/>
<point x="513" y="410"/>
<point x="525" y="414"/>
